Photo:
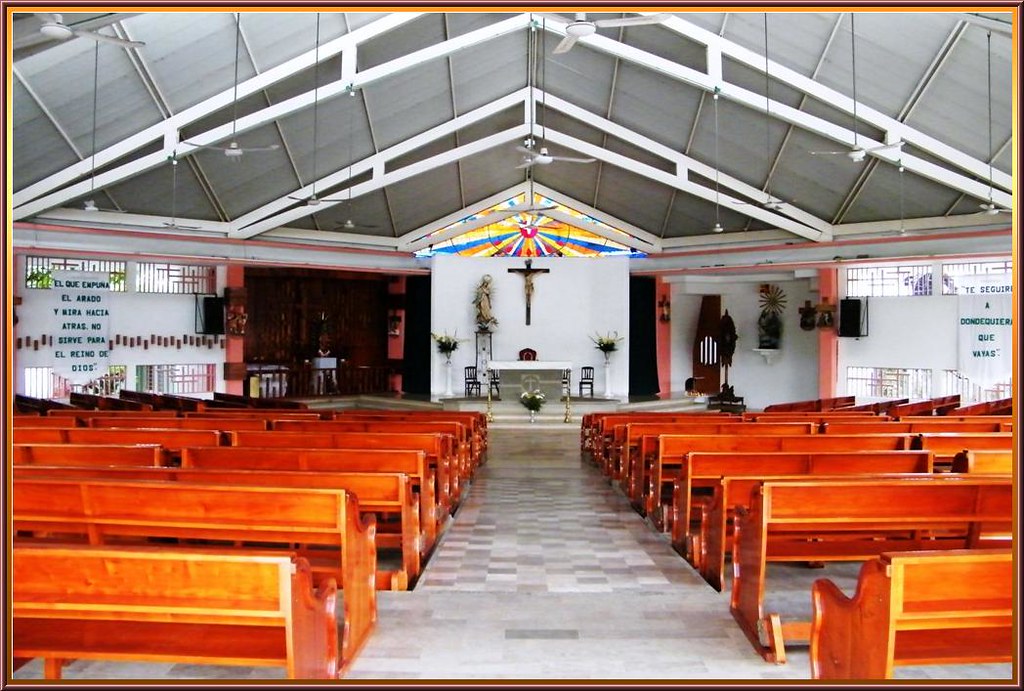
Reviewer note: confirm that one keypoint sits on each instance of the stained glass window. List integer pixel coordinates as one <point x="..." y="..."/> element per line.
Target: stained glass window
<point x="521" y="230"/>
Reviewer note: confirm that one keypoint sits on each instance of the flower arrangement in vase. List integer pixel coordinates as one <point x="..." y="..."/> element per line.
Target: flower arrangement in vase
<point x="532" y="400"/>
<point x="446" y="345"/>
<point x="607" y="344"/>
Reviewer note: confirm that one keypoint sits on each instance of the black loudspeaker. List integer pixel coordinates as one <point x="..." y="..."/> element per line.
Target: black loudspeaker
<point x="212" y="316"/>
<point x="853" y="317"/>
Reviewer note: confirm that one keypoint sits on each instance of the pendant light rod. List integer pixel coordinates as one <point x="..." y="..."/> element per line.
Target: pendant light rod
<point x="853" y="62"/>
<point x="767" y="114"/>
<point x="234" y="98"/>
<point x="989" y="84"/>
<point x="95" y="106"/>
<point x="316" y="99"/>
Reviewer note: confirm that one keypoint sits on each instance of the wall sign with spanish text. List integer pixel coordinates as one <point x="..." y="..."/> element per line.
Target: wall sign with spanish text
<point x="984" y="328"/>
<point x="80" y="304"/>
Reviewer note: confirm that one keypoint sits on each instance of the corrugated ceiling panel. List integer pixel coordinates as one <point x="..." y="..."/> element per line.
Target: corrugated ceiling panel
<point x="655" y="106"/>
<point x="489" y="71"/>
<point x="421" y="199"/>
<point x="409" y="103"/>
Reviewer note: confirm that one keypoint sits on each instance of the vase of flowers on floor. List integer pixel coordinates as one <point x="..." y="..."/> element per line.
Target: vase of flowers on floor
<point x="532" y="400"/>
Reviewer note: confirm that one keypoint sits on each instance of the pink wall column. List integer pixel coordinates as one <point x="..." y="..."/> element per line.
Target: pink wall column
<point x="234" y="351"/>
<point x="396" y="344"/>
<point x="662" y="292"/>
<point x="828" y="338"/>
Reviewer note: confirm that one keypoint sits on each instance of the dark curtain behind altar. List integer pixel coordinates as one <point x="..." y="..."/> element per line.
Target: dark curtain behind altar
<point x="416" y="355"/>
<point x="643" y="346"/>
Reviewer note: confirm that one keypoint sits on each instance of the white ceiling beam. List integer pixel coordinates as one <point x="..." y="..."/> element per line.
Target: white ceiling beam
<point x="378" y="161"/>
<point x="381" y="179"/>
<point x="168" y="128"/>
<point x="683" y="162"/>
<point x="683" y="184"/>
<point x="895" y="130"/>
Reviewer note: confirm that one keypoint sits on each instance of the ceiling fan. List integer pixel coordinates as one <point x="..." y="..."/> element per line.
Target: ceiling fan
<point x="989" y="208"/>
<point x="233" y="149"/>
<point x="580" y="27"/>
<point x="858" y="153"/>
<point x="539" y="156"/>
<point x="54" y="27"/>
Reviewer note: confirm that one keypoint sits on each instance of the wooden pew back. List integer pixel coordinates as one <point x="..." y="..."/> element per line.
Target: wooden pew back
<point x="986" y="462"/>
<point x="172" y="604"/>
<point x="912" y="608"/>
<point x="91" y="455"/>
<point x="339" y="543"/>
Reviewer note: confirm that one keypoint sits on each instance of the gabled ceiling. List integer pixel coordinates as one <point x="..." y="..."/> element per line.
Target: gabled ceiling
<point x="419" y="116"/>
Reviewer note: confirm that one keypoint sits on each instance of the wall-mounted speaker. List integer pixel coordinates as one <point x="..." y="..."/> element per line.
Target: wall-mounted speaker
<point x="853" y="317"/>
<point x="210" y="316"/>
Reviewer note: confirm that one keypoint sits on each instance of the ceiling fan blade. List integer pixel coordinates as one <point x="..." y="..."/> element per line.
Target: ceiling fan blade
<point x="527" y="163"/>
<point x="569" y="159"/>
<point x="523" y="149"/>
<point x="565" y="45"/>
<point x="887" y="147"/>
<point x="634" y="21"/>
<point x="828" y="153"/>
<point x="108" y="39"/>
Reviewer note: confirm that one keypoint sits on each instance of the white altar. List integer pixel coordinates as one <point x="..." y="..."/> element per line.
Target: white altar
<point x="534" y="369"/>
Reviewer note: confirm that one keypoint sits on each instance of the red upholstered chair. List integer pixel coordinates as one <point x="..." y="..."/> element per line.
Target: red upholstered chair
<point x="527" y="354"/>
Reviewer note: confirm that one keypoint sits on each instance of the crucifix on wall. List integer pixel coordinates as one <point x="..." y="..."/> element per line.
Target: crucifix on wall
<point x="529" y="273"/>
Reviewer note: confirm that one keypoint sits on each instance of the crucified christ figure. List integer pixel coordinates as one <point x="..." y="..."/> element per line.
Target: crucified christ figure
<point x="529" y="274"/>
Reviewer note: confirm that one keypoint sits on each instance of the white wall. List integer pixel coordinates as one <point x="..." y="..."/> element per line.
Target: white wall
<point x="576" y="300"/>
<point x="793" y="372"/>
<point x="131" y="314"/>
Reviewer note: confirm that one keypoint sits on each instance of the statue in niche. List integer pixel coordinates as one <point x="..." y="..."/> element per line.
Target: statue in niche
<point x="485" y="319"/>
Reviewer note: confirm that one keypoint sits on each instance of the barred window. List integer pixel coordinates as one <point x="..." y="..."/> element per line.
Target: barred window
<point x="889" y="281"/>
<point x="953" y="382"/>
<point x="177" y="279"/>
<point x="889" y="382"/>
<point x="43" y="382"/>
<point x="176" y="379"/>
<point x="956" y="271"/>
<point x="39" y="270"/>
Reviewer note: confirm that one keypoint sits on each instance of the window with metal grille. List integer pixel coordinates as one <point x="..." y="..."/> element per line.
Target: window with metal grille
<point x="43" y="382"/>
<point x="176" y="379"/>
<point x="953" y="381"/>
<point x="889" y="281"/>
<point x="889" y="382"/>
<point x="952" y="272"/>
<point x="39" y="270"/>
<point x="175" y="278"/>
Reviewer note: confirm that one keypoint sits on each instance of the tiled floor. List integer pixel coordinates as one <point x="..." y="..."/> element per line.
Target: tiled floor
<point x="546" y="573"/>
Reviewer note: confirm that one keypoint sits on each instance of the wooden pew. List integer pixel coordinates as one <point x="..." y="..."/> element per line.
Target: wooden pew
<point x="933" y="425"/>
<point x="818" y="405"/>
<point x="338" y="543"/>
<point x="648" y="444"/>
<point x="1003" y="406"/>
<point x="81" y="414"/>
<point x="262" y="413"/>
<point x="451" y="477"/>
<point x="986" y="462"/>
<point x="90" y="455"/>
<point x="672" y="450"/>
<point x="433" y="519"/>
<point x="856" y="519"/>
<point x="946" y="445"/>
<point x="915" y="608"/>
<point x="706" y="541"/>
<point x="172" y="605"/>
<point x="217" y="423"/>
<point x="173" y="440"/>
<point x="250" y="402"/>
<point x="438" y="447"/>
<point x="387" y="496"/>
<point x="31" y="404"/>
<point x="601" y="442"/>
<point x="475" y="422"/>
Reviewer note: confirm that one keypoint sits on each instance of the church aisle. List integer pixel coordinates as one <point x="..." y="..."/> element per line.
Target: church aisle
<point x="547" y="573"/>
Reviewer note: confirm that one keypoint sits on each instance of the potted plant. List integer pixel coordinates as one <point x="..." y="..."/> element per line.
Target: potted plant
<point x="446" y="345"/>
<point x="607" y="344"/>
<point x="532" y="400"/>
